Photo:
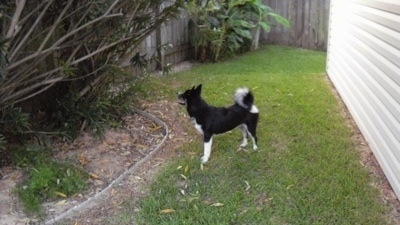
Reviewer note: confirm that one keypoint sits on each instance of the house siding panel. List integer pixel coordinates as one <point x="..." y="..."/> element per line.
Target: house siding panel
<point x="364" y="65"/>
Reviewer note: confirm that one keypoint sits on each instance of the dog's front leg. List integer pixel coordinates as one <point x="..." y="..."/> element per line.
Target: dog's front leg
<point x="207" y="148"/>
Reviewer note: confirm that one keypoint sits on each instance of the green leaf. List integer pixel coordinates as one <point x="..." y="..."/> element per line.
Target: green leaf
<point x="265" y="26"/>
<point x="235" y="3"/>
<point x="239" y="22"/>
<point x="234" y="42"/>
<point x="243" y="33"/>
<point x="280" y="19"/>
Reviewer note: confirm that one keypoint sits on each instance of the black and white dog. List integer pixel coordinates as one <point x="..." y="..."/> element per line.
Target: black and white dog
<point x="210" y="120"/>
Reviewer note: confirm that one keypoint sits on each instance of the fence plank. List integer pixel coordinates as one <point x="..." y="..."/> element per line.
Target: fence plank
<point x="309" y="23"/>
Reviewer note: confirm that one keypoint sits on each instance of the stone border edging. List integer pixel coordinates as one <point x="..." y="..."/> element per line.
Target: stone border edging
<point x="120" y="177"/>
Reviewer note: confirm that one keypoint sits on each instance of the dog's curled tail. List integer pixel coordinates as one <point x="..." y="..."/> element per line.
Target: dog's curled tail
<point x="245" y="99"/>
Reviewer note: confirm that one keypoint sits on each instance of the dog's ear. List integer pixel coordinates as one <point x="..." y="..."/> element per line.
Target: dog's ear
<point x="198" y="89"/>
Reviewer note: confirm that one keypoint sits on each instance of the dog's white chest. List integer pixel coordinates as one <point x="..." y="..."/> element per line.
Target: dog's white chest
<point x="197" y="126"/>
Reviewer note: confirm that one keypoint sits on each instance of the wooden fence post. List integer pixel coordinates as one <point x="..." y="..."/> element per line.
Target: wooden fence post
<point x="159" y="46"/>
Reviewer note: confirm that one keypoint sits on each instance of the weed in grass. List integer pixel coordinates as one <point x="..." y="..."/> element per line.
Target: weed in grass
<point x="47" y="179"/>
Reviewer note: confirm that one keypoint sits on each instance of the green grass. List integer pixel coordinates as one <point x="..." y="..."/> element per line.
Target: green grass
<point x="45" y="179"/>
<point x="306" y="171"/>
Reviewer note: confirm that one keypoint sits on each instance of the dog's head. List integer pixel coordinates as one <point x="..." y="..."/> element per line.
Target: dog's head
<point x="189" y="95"/>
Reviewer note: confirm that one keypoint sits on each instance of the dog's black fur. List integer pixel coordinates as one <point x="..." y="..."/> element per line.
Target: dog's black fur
<point x="210" y="120"/>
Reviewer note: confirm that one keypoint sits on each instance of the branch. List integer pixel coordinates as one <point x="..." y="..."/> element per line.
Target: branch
<point x="104" y="16"/>
<point x="28" y="86"/>
<point x="133" y="14"/>
<point x="16" y="79"/>
<point x="36" y="54"/>
<point x="34" y="94"/>
<point x="15" y="19"/>
<point x="55" y="45"/>
<point x="33" y="27"/>
<point x="7" y="98"/>
<point x="55" y="24"/>
<point x="89" y="74"/>
<point x="22" y="92"/>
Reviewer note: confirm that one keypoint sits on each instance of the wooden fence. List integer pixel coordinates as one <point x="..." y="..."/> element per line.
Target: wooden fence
<point x="169" y="44"/>
<point x="309" y="23"/>
<point x="309" y="29"/>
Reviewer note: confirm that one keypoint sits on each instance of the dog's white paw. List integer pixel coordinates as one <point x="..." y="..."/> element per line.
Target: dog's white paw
<point x="204" y="160"/>
<point x="244" y="143"/>
<point x="255" y="148"/>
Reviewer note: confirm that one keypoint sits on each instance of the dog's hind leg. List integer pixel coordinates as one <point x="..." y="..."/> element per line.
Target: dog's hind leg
<point x="252" y="129"/>
<point x="243" y="129"/>
<point x="253" y="136"/>
<point x="207" y="149"/>
<point x="254" y="139"/>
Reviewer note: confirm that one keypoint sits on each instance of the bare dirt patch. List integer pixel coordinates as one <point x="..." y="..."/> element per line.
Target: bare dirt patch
<point x="105" y="160"/>
<point x="135" y="185"/>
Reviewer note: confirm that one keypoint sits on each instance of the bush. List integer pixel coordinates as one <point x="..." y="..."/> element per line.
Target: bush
<point x="222" y="27"/>
<point x="59" y="60"/>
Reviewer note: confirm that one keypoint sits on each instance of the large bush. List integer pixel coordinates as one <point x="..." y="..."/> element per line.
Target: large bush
<point x="223" y="27"/>
<point x="58" y="59"/>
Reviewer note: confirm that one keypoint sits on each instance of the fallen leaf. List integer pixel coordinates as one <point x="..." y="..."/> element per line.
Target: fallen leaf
<point x="98" y="182"/>
<point x="192" y="199"/>
<point x="243" y="211"/>
<point x="166" y="211"/>
<point x="289" y="187"/>
<point x="156" y="128"/>
<point x="183" y="176"/>
<point x="247" y="186"/>
<point x="82" y="159"/>
<point x="186" y="169"/>
<point x="94" y="176"/>
<point x="125" y="153"/>
<point x="118" y="203"/>
<point x="217" y="204"/>
<point x="140" y="146"/>
<point x="207" y="202"/>
<point x="60" y="203"/>
<point x="60" y="194"/>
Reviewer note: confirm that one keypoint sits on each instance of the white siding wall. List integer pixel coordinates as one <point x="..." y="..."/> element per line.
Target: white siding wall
<point x="364" y="65"/>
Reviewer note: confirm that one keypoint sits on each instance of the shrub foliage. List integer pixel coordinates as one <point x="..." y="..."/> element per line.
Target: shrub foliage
<point x="59" y="58"/>
<point x="224" y="27"/>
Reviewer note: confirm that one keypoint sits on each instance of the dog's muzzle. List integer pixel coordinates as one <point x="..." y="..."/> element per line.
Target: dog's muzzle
<point x="181" y="100"/>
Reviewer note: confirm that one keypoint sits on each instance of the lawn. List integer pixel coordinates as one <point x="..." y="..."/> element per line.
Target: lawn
<point x="306" y="171"/>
